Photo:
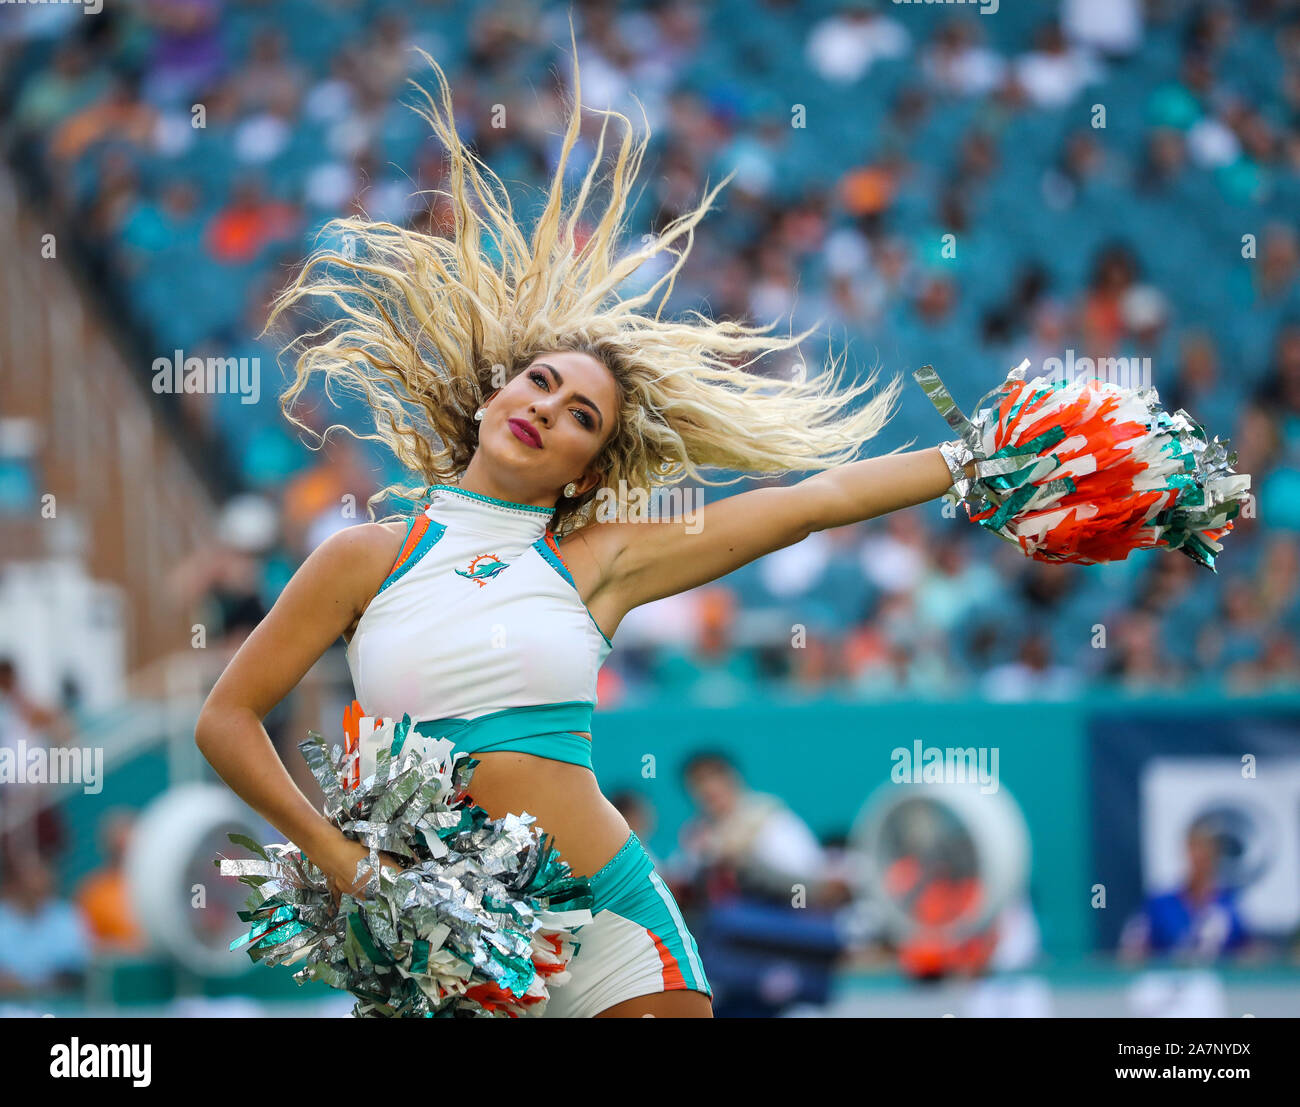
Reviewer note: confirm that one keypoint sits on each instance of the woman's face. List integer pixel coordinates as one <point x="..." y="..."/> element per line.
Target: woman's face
<point x="547" y="426"/>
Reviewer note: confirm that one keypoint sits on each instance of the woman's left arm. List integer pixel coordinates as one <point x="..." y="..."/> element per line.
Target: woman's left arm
<point x="645" y="562"/>
<point x="877" y="486"/>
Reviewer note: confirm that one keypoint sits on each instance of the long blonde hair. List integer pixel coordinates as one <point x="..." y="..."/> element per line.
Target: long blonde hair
<point x="420" y="322"/>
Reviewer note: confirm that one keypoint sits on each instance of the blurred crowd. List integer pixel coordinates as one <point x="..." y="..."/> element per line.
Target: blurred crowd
<point x="195" y="149"/>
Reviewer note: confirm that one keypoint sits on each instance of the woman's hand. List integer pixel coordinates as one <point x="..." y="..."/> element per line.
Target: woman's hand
<point x="339" y="863"/>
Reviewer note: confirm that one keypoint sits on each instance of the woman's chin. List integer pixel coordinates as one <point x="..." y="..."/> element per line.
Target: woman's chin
<point x="520" y="458"/>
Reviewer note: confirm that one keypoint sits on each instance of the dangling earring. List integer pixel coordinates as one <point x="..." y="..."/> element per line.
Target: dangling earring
<point x="478" y="415"/>
<point x="569" y="490"/>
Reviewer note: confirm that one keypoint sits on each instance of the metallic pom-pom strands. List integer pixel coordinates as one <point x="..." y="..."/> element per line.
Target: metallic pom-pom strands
<point x="1087" y="471"/>
<point x="479" y="925"/>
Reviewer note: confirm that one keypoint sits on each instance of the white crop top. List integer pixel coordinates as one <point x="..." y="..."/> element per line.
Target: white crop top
<point x="478" y="617"/>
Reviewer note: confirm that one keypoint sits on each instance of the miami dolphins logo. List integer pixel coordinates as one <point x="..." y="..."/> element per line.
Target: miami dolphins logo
<point x="483" y="568"/>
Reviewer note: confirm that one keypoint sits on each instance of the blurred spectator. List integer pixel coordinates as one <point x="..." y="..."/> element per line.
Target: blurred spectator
<point x="44" y="946"/>
<point x="953" y="586"/>
<point x="1279" y="262"/>
<point x="1113" y="274"/>
<point x="1054" y="72"/>
<point x="857" y="290"/>
<point x="51" y="95"/>
<point x="103" y="897"/>
<point x="1211" y="142"/>
<point x="117" y="116"/>
<point x="21" y="716"/>
<point x="1113" y="27"/>
<point x="241" y="230"/>
<point x="709" y="669"/>
<point x="264" y="136"/>
<point x="118" y="193"/>
<point x="844" y="47"/>
<point x="1198" y="387"/>
<point x="1136" y="661"/>
<point x="772" y="292"/>
<point x="1278" y="581"/>
<point x="958" y="64"/>
<point x="896" y="656"/>
<point x="1198" y="921"/>
<point x="152" y="225"/>
<point x="1049" y="332"/>
<point x="868" y="191"/>
<point x="762" y="891"/>
<point x="268" y="77"/>
<point x="1164" y="162"/>
<point x="1045" y="587"/>
<point x="1145" y="312"/>
<point x="327" y="496"/>
<point x="1278" y="670"/>
<point x="1032" y="676"/>
<point x="187" y="53"/>
<point x="385" y="56"/>
<point x="221" y="583"/>
<point x="794" y="571"/>
<point x="1270" y="434"/>
<point x="1015" y="314"/>
<point x="1231" y="644"/>
<point x="742" y="841"/>
<point x="894" y="552"/>
<point x="815" y="665"/>
<point x="28" y="827"/>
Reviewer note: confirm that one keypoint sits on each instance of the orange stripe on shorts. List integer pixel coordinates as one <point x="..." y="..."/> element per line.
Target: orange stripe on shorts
<point x="673" y="978"/>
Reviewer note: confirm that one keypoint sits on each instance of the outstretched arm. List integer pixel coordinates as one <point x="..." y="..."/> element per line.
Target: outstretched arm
<point x="641" y="562"/>
<point x="876" y="486"/>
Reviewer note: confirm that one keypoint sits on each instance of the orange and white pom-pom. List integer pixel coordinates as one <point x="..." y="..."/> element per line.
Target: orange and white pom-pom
<point x="1086" y="470"/>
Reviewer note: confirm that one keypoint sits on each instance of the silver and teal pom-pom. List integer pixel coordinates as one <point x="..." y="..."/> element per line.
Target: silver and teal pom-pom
<point x="480" y="923"/>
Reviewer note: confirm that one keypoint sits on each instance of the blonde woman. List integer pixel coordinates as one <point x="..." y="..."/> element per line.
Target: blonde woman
<point x="507" y="372"/>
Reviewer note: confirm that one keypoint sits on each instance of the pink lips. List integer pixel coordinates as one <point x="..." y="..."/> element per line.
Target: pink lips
<point x="525" y="432"/>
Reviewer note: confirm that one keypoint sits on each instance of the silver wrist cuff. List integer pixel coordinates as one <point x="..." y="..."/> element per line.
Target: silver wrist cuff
<point x="957" y="454"/>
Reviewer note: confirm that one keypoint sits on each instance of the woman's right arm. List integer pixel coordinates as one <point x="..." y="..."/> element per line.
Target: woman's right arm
<point x="322" y="600"/>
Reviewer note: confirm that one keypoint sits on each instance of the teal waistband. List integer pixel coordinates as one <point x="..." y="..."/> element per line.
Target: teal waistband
<point x="540" y="730"/>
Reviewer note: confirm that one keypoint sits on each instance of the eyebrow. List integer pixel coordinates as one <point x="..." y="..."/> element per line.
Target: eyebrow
<point x="559" y="380"/>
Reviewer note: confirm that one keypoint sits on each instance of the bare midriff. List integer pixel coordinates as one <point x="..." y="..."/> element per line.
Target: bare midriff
<point x="565" y="799"/>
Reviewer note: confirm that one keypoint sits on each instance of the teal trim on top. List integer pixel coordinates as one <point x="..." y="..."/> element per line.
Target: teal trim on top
<point x="547" y="511"/>
<point x="540" y="730"/>
<point x="543" y="548"/>
<point x="436" y="530"/>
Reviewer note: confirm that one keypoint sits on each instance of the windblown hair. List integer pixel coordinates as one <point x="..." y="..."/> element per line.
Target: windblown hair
<point x="420" y="322"/>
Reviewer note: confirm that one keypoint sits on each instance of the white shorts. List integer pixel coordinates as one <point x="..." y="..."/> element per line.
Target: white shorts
<point x="637" y="943"/>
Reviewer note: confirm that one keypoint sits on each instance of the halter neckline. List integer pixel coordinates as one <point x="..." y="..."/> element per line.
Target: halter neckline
<point x="488" y="513"/>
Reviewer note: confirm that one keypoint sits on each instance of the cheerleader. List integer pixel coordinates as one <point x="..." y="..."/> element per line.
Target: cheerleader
<point x="508" y="373"/>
